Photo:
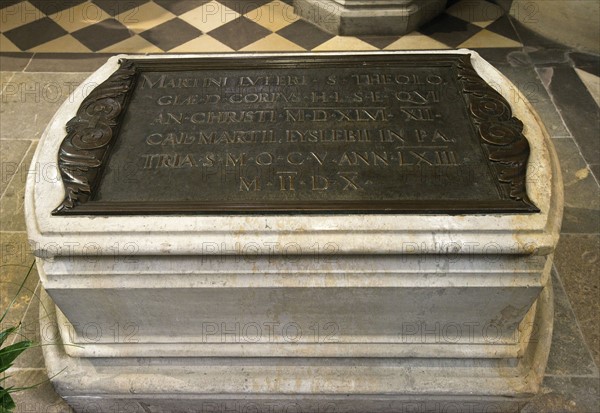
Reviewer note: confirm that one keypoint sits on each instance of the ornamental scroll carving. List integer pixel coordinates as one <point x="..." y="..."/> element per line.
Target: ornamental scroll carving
<point x="90" y="135"/>
<point x="500" y="132"/>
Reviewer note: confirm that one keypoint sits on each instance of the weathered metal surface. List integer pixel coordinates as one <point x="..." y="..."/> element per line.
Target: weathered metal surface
<point x="365" y="133"/>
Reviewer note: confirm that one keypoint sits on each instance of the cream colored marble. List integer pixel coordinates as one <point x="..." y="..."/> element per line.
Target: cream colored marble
<point x="209" y="16"/>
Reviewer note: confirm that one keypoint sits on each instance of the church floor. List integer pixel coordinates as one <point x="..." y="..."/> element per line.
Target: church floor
<point x="47" y="48"/>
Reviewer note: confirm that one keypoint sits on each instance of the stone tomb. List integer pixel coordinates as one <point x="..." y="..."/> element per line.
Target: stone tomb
<point x="324" y="232"/>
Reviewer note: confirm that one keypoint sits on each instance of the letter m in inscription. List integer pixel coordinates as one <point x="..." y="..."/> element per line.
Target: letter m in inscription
<point x="247" y="185"/>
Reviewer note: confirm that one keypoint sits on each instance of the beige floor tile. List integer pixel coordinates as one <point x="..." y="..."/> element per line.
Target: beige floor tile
<point x="30" y="330"/>
<point x="272" y="43"/>
<point x="417" y="41"/>
<point x="344" y="43"/>
<point x="209" y="16"/>
<point x="11" y="155"/>
<point x="483" y="24"/>
<point x="135" y="44"/>
<point x="15" y="250"/>
<point x="16" y="261"/>
<point x="64" y="43"/>
<point x="144" y="17"/>
<point x="202" y="44"/>
<point x="12" y="212"/>
<point x="273" y="16"/>
<point x="5" y="78"/>
<point x="7" y="46"/>
<point x="80" y="16"/>
<point x="486" y="38"/>
<point x="29" y="106"/>
<point x="479" y="12"/>
<point x="41" y="398"/>
<point x="18" y="14"/>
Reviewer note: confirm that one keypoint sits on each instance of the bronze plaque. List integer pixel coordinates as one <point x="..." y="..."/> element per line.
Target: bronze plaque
<point x="365" y="133"/>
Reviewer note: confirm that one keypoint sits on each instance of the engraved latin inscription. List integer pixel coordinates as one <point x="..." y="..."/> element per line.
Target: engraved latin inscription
<point x="317" y="134"/>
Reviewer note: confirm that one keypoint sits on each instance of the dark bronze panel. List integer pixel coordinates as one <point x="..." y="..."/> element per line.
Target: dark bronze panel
<point x="364" y="133"/>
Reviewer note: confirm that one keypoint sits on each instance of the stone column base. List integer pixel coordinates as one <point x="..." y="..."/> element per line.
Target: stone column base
<point x="381" y="17"/>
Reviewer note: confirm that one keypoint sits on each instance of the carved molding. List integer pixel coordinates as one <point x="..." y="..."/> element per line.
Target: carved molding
<point x="90" y="134"/>
<point x="500" y="132"/>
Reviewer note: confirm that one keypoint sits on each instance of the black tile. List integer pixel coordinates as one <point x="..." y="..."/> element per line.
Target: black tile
<point x="588" y="62"/>
<point x="239" y="33"/>
<point x="49" y="7"/>
<point x="100" y="35"/>
<point x="578" y="109"/>
<point x="449" y="30"/>
<point x="243" y="6"/>
<point x="569" y="355"/>
<point x="512" y="56"/>
<point x="504" y="27"/>
<point x="380" y="42"/>
<point x="171" y="34"/>
<point x="114" y="7"/>
<point x="67" y="62"/>
<point x="305" y="34"/>
<point x="8" y="3"/>
<point x="14" y="61"/>
<point x="178" y="7"/>
<point x="35" y="33"/>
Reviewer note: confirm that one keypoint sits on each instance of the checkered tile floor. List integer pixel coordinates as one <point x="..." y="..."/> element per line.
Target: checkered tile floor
<point x="187" y="26"/>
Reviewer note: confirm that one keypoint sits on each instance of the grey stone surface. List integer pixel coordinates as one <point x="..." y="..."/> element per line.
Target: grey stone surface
<point x="577" y="107"/>
<point x="41" y="397"/>
<point x="580" y="394"/>
<point x="568" y="355"/>
<point x="582" y="200"/>
<point x="30" y="100"/>
<point x="577" y="260"/>
<point x="525" y="78"/>
<point x="381" y="17"/>
<point x="11" y="61"/>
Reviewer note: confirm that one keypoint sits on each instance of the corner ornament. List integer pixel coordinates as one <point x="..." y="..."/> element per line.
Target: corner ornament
<point x="90" y="135"/>
<point x="501" y="134"/>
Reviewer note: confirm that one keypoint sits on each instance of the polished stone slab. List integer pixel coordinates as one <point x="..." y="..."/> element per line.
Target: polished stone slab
<point x="363" y="134"/>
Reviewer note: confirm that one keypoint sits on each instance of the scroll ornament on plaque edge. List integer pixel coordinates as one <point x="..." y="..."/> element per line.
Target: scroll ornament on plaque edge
<point x="500" y="132"/>
<point x="90" y="135"/>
